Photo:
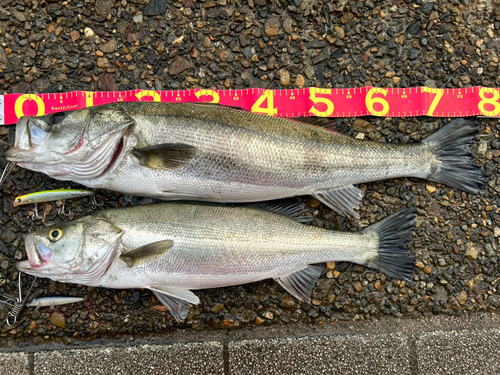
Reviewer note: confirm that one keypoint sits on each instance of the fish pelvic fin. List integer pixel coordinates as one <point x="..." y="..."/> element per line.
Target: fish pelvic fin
<point x="176" y="300"/>
<point x="147" y="253"/>
<point x="393" y="234"/>
<point x="301" y="283"/>
<point x="166" y="156"/>
<point x="343" y="199"/>
<point x="454" y="166"/>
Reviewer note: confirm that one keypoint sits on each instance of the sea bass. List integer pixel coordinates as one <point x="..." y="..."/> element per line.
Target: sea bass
<point x="211" y="153"/>
<point x="172" y="249"/>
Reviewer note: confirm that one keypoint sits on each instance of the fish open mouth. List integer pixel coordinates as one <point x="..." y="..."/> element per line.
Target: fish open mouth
<point x="33" y="258"/>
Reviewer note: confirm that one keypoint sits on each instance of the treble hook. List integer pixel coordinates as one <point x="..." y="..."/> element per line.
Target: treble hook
<point x="61" y="211"/>
<point x="8" y="168"/>
<point x="19" y="303"/>
<point x="36" y="215"/>
<point x="95" y="204"/>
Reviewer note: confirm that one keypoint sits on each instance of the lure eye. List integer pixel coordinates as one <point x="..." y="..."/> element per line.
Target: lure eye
<point x="55" y="235"/>
<point x="19" y="200"/>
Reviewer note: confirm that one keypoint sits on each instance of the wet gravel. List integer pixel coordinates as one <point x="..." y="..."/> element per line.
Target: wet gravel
<point x="121" y="45"/>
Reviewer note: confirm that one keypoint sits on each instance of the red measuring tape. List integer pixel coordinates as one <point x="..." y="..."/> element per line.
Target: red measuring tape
<point x="312" y="101"/>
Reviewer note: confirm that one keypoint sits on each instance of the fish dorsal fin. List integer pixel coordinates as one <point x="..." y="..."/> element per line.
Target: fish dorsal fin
<point x="175" y="299"/>
<point x="301" y="283"/>
<point x="217" y="105"/>
<point x="294" y="210"/>
<point x="147" y="253"/>
<point x="166" y="156"/>
<point x="327" y="123"/>
<point x="343" y="199"/>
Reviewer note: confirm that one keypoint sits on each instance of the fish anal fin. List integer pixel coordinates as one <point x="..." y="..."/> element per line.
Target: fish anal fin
<point x="294" y="210"/>
<point x="166" y="156"/>
<point x="301" y="283"/>
<point x="145" y="253"/>
<point x="175" y="299"/>
<point x="343" y="199"/>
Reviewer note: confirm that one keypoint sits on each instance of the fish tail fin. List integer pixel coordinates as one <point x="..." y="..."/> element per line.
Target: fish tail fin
<point x="454" y="166"/>
<point x="391" y="256"/>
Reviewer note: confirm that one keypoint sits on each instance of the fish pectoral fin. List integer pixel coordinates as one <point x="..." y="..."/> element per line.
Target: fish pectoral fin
<point x="147" y="253"/>
<point x="176" y="300"/>
<point x="343" y="199"/>
<point x="301" y="283"/>
<point x="294" y="210"/>
<point x="166" y="156"/>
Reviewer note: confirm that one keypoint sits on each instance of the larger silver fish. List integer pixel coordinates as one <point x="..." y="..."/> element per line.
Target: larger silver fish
<point x="172" y="249"/>
<point x="200" y="152"/>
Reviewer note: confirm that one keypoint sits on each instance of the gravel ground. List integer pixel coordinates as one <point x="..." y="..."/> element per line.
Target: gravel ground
<point x="120" y="45"/>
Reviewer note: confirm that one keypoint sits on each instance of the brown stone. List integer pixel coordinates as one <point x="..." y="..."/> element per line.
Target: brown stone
<point x="103" y="7"/>
<point x="378" y="286"/>
<point x="462" y="297"/>
<point x="207" y="42"/>
<point x="330" y="265"/>
<point x="160" y="308"/>
<point x="357" y="287"/>
<point x="259" y="320"/>
<point x="299" y="81"/>
<point x="469" y="50"/>
<point x="313" y="202"/>
<point x="364" y="126"/>
<point x="75" y="35"/>
<point x="284" y="78"/>
<point x="58" y="320"/>
<point x="110" y="46"/>
<point x="272" y="26"/>
<point x="339" y="30"/>
<point x="178" y="65"/>
<point x="224" y="54"/>
<point x="287" y="303"/>
<point x="470" y="252"/>
<point x="217" y="308"/>
<point x="102" y="62"/>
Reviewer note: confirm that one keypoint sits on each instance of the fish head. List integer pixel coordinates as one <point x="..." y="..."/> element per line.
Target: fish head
<point x="79" y="252"/>
<point x="79" y="144"/>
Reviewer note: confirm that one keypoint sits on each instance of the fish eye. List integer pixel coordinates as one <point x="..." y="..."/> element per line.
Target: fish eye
<point x="57" y="117"/>
<point x="55" y="234"/>
<point x="19" y="200"/>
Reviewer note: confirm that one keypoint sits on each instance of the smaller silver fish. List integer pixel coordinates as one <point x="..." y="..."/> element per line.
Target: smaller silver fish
<point x="53" y="301"/>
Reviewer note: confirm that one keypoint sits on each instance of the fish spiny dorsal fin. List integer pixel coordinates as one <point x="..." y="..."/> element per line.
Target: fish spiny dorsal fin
<point x="166" y="156"/>
<point x="301" y="283"/>
<point x="294" y="210"/>
<point x="147" y="253"/>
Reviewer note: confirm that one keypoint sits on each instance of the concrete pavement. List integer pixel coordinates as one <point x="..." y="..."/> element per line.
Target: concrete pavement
<point x="442" y="345"/>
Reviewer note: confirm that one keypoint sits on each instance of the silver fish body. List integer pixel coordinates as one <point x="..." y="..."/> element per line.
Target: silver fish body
<point x="210" y="153"/>
<point x="174" y="248"/>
